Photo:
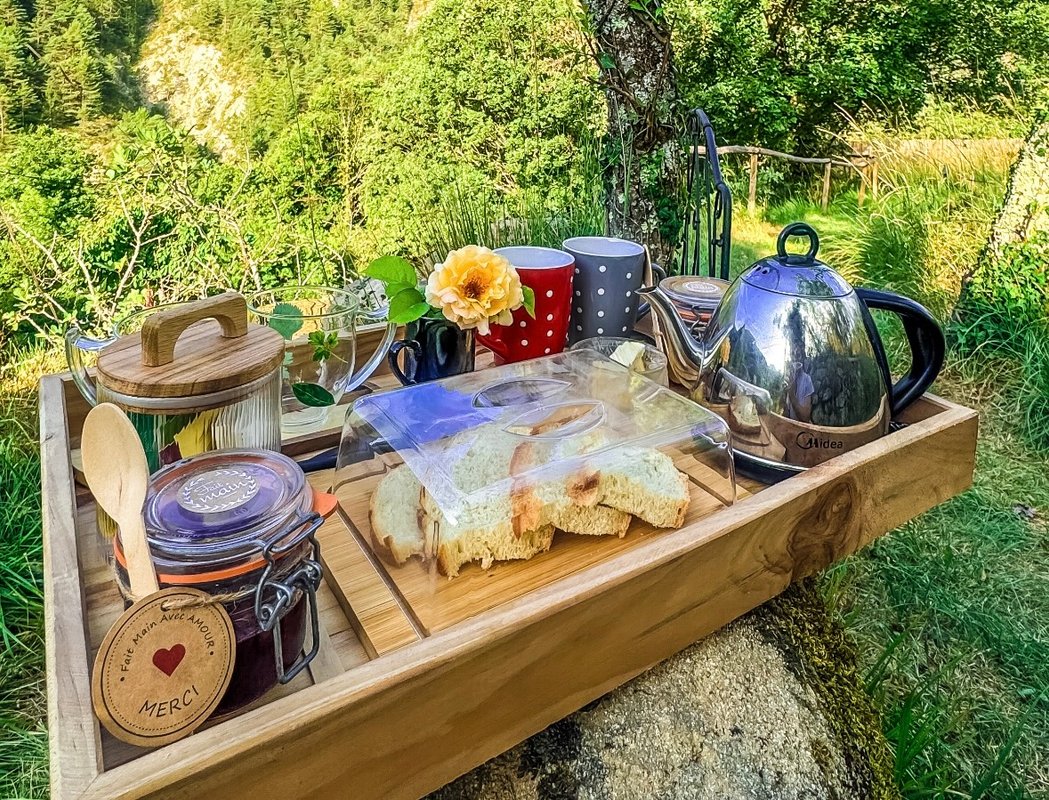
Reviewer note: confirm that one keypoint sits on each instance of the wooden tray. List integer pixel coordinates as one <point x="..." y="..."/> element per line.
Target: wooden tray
<point x="400" y="702"/>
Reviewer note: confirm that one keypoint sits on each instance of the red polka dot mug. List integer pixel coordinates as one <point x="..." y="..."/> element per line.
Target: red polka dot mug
<point x="548" y="273"/>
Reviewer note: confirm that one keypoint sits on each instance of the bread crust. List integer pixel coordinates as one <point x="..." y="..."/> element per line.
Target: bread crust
<point x="385" y="543"/>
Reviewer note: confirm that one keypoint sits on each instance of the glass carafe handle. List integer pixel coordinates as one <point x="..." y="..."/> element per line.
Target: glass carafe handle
<point x="366" y="370"/>
<point x="76" y="345"/>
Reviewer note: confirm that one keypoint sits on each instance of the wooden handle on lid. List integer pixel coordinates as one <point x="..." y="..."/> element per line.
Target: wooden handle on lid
<point x="161" y="330"/>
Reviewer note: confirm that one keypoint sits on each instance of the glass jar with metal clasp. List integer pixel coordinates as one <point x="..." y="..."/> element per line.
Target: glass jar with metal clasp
<point x="239" y="525"/>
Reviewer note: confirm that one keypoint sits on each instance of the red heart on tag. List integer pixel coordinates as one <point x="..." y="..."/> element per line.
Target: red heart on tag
<point x="167" y="661"/>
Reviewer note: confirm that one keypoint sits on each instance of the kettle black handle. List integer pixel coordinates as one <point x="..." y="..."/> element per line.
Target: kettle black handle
<point x="924" y="337"/>
<point x="798" y="229"/>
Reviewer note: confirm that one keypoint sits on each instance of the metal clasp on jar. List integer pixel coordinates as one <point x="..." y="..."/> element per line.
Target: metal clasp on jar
<point x="305" y="577"/>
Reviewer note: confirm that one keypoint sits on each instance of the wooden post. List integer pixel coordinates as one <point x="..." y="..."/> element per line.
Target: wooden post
<point x="825" y="199"/>
<point x="752" y="197"/>
<point x="874" y="178"/>
<point x="861" y="194"/>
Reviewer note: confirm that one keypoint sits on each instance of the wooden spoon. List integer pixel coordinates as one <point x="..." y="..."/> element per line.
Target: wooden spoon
<point x="117" y="474"/>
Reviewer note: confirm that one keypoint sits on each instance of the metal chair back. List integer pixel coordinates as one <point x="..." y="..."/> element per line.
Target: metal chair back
<point x="707" y="233"/>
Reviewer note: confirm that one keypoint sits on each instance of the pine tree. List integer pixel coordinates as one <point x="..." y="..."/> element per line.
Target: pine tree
<point x="17" y="92"/>
<point x="68" y="39"/>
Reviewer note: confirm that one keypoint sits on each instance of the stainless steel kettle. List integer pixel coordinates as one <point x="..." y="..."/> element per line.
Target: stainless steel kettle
<point x="792" y="361"/>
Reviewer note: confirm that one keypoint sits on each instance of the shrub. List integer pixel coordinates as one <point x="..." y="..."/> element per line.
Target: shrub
<point x="1006" y="298"/>
<point x="791" y="75"/>
<point x="489" y="98"/>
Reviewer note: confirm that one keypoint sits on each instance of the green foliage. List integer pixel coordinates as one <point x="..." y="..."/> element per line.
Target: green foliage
<point x="324" y="344"/>
<point x="952" y="618"/>
<point x="791" y="75"/>
<point x="464" y="217"/>
<point x="486" y="98"/>
<point x="23" y="737"/>
<point x="407" y="305"/>
<point x="286" y="319"/>
<point x="312" y="395"/>
<point x="529" y="300"/>
<point x="1006" y="298"/>
<point x="18" y="100"/>
<point x="394" y="271"/>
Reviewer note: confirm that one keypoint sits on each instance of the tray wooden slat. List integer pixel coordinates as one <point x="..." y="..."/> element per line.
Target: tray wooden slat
<point x="75" y="748"/>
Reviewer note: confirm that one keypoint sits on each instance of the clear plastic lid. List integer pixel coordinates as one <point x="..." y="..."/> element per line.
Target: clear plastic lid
<point x="556" y="414"/>
<point x="500" y="472"/>
<point x="223" y="508"/>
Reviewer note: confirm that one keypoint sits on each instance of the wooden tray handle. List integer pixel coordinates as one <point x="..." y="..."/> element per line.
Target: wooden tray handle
<point x="161" y="330"/>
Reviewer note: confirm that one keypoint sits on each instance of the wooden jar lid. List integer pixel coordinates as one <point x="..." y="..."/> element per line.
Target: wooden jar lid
<point x="191" y="350"/>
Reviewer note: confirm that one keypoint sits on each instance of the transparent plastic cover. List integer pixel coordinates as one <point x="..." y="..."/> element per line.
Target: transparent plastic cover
<point x="498" y="466"/>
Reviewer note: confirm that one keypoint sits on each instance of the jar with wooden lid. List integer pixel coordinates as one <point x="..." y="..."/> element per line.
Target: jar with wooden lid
<point x="196" y="377"/>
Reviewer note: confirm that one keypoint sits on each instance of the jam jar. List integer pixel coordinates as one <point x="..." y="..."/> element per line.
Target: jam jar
<point x="240" y="525"/>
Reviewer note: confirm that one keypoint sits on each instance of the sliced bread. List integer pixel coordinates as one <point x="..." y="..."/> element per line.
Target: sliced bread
<point x="643" y="482"/>
<point x="395" y="516"/>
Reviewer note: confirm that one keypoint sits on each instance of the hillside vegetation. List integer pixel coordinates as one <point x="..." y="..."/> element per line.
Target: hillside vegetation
<point x="157" y="149"/>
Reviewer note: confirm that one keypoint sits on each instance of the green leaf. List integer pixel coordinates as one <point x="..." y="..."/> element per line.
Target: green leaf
<point x="529" y="300"/>
<point x="324" y="344"/>
<point x="407" y="306"/>
<point x="606" y="61"/>
<point x="286" y="319"/>
<point x="312" y="395"/>
<point x="397" y="288"/>
<point x="392" y="270"/>
<point x="434" y="313"/>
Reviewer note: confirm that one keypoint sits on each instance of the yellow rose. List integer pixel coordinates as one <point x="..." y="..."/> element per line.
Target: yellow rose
<point x="475" y="288"/>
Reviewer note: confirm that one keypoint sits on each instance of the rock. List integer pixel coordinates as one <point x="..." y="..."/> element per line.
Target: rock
<point x="188" y="79"/>
<point x="768" y="707"/>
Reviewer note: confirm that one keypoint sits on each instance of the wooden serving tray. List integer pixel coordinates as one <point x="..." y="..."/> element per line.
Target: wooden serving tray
<point x="406" y="696"/>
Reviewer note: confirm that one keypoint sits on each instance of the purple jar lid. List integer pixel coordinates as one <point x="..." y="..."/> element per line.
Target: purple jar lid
<point x="220" y="508"/>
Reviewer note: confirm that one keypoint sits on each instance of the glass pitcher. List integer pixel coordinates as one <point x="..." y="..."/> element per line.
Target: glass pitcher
<point x="324" y="329"/>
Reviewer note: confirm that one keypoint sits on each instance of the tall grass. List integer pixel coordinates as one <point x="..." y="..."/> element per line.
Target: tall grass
<point x="23" y="738"/>
<point x="952" y="615"/>
<point x="465" y="217"/>
<point x="951" y="611"/>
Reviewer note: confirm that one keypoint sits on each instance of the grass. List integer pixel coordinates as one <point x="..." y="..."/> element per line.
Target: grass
<point x="952" y="616"/>
<point x="950" y="612"/>
<point x="23" y="736"/>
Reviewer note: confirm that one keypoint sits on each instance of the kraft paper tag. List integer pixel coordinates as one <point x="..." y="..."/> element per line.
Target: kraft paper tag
<point x="163" y="667"/>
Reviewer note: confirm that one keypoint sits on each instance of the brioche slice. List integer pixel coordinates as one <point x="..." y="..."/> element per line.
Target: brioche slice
<point x="397" y="522"/>
<point x="518" y="522"/>
<point x="481" y="532"/>
<point x="395" y="516"/>
<point x="591" y="520"/>
<point x="643" y="482"/>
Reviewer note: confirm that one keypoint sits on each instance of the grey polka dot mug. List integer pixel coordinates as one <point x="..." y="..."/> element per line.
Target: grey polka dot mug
<point x="608" y="273"/>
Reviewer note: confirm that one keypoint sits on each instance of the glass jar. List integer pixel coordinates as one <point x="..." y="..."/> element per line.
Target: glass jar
<point x="173" y="428"/>
<point x="239" y="525"/>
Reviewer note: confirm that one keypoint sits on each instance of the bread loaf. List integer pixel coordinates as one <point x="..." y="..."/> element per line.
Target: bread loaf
<point x="643" y="482"/>
<point x="516" y="518"/>
<point x="395" y="514"/>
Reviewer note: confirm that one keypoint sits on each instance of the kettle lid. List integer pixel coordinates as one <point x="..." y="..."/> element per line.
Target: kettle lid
<point x="797" y="274"/>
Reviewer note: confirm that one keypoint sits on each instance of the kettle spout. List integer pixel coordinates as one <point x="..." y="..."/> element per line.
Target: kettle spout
<point x="686" y="349"/>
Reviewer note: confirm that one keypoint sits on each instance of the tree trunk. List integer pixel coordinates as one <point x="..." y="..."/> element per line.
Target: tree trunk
<point x="643" y="156"/>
